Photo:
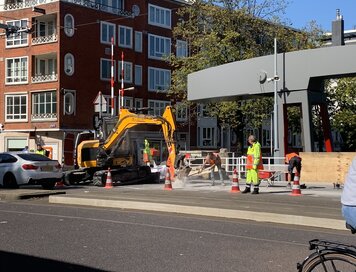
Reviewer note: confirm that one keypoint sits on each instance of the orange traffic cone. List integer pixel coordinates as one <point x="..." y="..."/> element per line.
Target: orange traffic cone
<point x="108" y="183"/>
<point x="296" y="186"/>
<point x="235" y="183"/>
<point x="167" y="182"/>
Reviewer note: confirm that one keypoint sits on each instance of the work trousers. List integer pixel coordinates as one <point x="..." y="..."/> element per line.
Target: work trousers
<point x="220" y="173"/>
<point x="252" y="177"/>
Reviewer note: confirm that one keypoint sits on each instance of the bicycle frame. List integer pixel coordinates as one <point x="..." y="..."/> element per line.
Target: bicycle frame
<point x="323" y="247"/>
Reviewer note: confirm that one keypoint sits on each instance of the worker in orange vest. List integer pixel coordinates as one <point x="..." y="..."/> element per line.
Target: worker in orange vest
<point x="211" y="160"/>
<point x="294" y="161"/>
<point x="253" y="164"/>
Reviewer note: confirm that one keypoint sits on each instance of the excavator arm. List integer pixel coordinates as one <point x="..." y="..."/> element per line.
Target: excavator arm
<point x="129" y="120"/>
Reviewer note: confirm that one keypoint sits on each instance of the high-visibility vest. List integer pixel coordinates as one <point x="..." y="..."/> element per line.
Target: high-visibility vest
<point x="290" y="156"/>
<point x="254" y="156"/>
<point x="41" y="152"/>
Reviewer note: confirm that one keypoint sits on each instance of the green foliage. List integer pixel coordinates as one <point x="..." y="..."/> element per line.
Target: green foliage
<point x="220" y="32"/>
<point x="342" y="108"/>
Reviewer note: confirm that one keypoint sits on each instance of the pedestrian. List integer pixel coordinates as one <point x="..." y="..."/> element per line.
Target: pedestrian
<point x="25" y="149"/>
<point x="212" y="160"/>
<point x="348" y="196"/>
<point x="294" y="161"/>
<point x="147" y="153"/>
<point x="40" y="150"/>
<point x="253" y="164"/>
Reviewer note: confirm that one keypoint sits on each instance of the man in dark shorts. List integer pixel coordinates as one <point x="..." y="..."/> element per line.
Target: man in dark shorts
<point x="294" y="161"/>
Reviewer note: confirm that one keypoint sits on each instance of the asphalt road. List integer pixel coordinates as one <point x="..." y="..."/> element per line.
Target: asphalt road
<point x="38" y="236"/>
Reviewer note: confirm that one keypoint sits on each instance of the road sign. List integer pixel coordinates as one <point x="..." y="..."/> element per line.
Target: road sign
<point x="100" y="99"/>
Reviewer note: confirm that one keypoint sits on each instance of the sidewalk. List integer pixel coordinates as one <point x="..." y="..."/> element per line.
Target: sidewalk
<point x="318" y="206"/>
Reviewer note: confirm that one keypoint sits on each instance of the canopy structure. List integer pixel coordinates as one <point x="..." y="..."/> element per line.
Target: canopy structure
<point x="301" y="82"/>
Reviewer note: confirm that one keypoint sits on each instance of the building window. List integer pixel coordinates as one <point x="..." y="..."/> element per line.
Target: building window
<point x="138" y="41"/>
<point x="182" y="49"/>
<point x="112" y="6"/>
<point x="128" y="102"/>
<point x="202" y="110"/>
<point x="108" y="105"/>
<point x="46" y="66"/>
<point x="159" y="16"/>
<point x="69" y="64"/>
<point x="107" y="32"/>
<point x="17" y="38"/>
<point x="158" y="46"/>
<point x="69" y="100"/>
<point x="125" y="36"/>
<point x="138" y="103"/>
<point x="206" y="136"/>
<point x="158" y="79"/>
<point x="16" y="107"/>
<point x="138" y="75"/>
<point x="157" y="107"/>
<point x="105" y="69"/>
<point x="266" y="133"/>
<point x="44" y="106"/>
<point x="69" y="25"/>
<point x="17" y="70"/>
<point x="181" y="112"/>
<point x="127" y="71"/>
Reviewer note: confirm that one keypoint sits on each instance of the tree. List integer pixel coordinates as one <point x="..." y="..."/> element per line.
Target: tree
<point x="342" y="108"/>
<point x="220" y="32"/>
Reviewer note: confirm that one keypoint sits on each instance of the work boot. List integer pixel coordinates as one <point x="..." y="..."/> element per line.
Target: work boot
<point x="255" y="191"/>
<point x="247" y="190"/>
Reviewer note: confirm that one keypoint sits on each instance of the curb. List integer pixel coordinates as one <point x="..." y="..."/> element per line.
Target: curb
<point x="204" y="211"/>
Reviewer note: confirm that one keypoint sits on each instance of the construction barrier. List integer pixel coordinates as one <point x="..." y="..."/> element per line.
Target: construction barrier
<point x="235" y="183"/>
<point x="168" y="182"/>
<point x="108" y="183"/>
<point x="296" y="186"/>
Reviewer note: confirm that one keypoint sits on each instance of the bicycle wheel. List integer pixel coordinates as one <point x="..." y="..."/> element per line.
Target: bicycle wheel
<point x="333" y="261"/>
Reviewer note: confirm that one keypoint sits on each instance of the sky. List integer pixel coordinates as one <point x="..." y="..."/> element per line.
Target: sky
<point x="300" y="12"/>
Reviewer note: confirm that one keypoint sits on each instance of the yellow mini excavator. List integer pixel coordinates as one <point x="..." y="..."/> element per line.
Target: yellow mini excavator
<point x="118" y="153"/>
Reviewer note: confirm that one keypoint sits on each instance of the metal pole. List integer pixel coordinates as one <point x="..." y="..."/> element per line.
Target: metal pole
<point x="112" y="76"/>
<point x="122" y="82"/>
<point x="275" y="108"/>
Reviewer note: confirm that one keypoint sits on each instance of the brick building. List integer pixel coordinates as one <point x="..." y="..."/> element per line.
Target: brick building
<point x="53" y="67"/>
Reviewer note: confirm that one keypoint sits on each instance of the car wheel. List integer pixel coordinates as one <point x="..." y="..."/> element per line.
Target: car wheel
<point x="48" y="185"/>
<point x="10" y="181"/>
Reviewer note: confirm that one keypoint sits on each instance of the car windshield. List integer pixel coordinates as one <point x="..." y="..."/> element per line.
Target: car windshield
<point x="33" y="157"/>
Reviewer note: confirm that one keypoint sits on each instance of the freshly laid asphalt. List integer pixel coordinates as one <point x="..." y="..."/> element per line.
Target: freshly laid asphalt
<point x="317" y="206"/>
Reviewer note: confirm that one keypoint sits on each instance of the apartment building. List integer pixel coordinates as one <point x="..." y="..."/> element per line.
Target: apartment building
<point x="59" y="59"/>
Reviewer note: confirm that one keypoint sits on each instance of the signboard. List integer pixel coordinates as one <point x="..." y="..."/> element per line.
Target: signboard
<point x="100" y="99"/>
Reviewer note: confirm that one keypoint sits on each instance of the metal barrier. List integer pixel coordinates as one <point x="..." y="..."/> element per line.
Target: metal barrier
<point x="230" y="162"/>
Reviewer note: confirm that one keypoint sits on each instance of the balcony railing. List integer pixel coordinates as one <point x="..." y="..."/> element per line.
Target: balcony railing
<point x="44" y="39"/>
<point x="44" y="117"/>
<point x="44" y="78"/>
<point x="84" y="3"/>
<point x="26" y="4"/>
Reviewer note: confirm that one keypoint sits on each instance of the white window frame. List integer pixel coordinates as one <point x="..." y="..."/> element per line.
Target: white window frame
<point x="17" y="39"/>
<point x="181" y="49"/>
<point x="108" y="104"/>
<point x="157" y="107"/>
<point x="138" y="41"/>
<point x="138" y="103"/>
<point x="124" y="42"/>
<point x="109" y="69"/>
<point x="157" y="75"/>
<point x="21" y="70"/>
<point x="159" y="16"/>
<point x="138" y="75"/>
<point x="127" y="72"/>
<point x="181" y="112"/>
<point x="158" y="46"/>
<point x="69" y="102"/>
<point x="206" y="137"/>
<point x="48" y="69"/>
<point x="108" y="28"/>
<point x="69" y="25"/>
<point x="39" y="109"/>
<point x="46" y="26"/>
<point x="23" y="116"/>
<point x="128" y="102"/>
<point x="69" y="64"/>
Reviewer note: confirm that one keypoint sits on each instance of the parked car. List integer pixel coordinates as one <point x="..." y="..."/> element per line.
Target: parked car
<point x="19" y="168"/>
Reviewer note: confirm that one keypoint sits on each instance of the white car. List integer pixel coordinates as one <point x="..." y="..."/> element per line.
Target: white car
<point x="19" y="168"/>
